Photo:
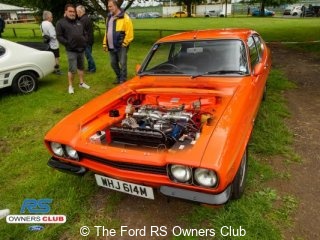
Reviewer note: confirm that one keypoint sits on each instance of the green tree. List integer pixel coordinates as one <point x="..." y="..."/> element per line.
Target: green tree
<point x="94" y="7"/>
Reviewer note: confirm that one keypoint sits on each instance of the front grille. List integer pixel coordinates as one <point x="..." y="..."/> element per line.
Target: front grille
<point x="138" y="136"/>
<point x="127" y="166"/>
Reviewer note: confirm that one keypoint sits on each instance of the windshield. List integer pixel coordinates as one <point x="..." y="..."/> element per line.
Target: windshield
<point x="197" y="58"/>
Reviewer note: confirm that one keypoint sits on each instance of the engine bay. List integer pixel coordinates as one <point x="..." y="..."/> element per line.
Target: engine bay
<point x="156" y="121"/>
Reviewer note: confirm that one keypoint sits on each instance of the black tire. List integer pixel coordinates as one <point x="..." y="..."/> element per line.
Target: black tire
<point x="294" y="14"/>
<point x="238" y="184"/>
<point x="25" y="82"/>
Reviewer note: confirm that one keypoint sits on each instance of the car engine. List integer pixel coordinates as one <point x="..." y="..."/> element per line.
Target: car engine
<point x="155" y="126"/>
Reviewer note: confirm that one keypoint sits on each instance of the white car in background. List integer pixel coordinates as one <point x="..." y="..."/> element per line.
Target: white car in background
<point x="22" y="66"/>
<point x="296" y="11"/>
<point x="214" y="13"/>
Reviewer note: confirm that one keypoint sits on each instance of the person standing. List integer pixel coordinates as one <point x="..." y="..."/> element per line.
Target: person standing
<point x="88" y="27"/>
<point x="117" y="38"/>
<point x="71" y="34"/>
<point x="303" y="11"/>
<point x="48" y="29"/>
<point x="2" y="26"/>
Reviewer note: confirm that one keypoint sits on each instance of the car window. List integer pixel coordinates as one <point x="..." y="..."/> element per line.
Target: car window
<point x="162" y="56"/>
<point x="254" y="54"/>
<point x="198" y="57"/>
<point x="259" y="45"/>
<point x="2" y="50"/>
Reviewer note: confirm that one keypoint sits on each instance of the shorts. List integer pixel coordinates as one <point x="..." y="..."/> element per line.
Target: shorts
<point x="56" y="52"/>
<point x="76" y="61"/>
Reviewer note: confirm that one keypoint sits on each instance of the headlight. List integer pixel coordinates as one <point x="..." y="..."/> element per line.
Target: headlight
<point x="205" y="177"/>
<point x="72" y="153"/>
<point x="181" y="173"/>
<point x="57" y="149"/>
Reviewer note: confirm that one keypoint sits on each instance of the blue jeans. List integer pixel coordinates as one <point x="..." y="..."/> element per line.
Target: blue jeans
<point x="91" y="63"/>
<point x="118" y="61"/>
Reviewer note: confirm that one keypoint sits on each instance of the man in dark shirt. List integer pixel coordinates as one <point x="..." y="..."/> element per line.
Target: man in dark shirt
<point x="71" y="34"/>
<point x="88" y="27"/>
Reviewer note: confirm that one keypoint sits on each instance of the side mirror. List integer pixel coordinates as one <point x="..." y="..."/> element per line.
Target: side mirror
<point x="138" y="66"/>
<point x="258" y="69"/>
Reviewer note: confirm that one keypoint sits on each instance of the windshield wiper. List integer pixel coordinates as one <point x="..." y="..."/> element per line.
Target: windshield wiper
<point x="145" y="74"/>
<point x="160" y="71"/>
<point x="219" y="72"/>
<point x="226" y="72"/>
<point x="167" y="71"/>
<point x="198" y="75"/>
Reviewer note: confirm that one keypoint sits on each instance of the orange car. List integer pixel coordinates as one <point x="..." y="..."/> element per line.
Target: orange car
<point x="181" y="126"/>
<point x="182" y="14"/>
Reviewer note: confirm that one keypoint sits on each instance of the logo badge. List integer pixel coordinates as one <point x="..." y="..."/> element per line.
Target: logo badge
<point x="35" y="228"/>
<point x="36" y="206"/>
<point x="35" y="211"/>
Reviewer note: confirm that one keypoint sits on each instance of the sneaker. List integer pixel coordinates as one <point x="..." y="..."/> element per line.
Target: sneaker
<point x="70" y="90"/>
<point x="84" y="85"/>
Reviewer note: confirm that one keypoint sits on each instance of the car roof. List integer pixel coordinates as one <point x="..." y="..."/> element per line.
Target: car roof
<point x="227" y="33"/>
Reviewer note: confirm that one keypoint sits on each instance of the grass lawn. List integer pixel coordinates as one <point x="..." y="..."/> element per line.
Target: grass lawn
<point x="26" y="118"/>
<point x="272" y="29"/>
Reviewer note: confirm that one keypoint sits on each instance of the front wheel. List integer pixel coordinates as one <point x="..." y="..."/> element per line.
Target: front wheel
<point x="25" y="82"/>
<point x="238" y="184"/>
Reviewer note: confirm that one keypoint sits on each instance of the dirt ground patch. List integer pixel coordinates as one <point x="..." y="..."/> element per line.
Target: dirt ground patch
<point x="304" y="106"/>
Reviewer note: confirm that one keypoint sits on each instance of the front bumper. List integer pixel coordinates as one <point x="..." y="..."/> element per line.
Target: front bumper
<point x="213" y="199"/>
<point x="207" y="198"/>
<point x="66" y="167"/>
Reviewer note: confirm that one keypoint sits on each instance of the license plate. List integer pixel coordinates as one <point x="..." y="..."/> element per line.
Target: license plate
<point x="121" y="186"/>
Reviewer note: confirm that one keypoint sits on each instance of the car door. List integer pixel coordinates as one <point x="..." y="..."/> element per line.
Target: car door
<point x="260" y="66"/>
<point x="265" y="61"/>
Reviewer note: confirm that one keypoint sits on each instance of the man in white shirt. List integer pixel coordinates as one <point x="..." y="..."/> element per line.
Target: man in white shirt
<point x="48" y="29"/>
